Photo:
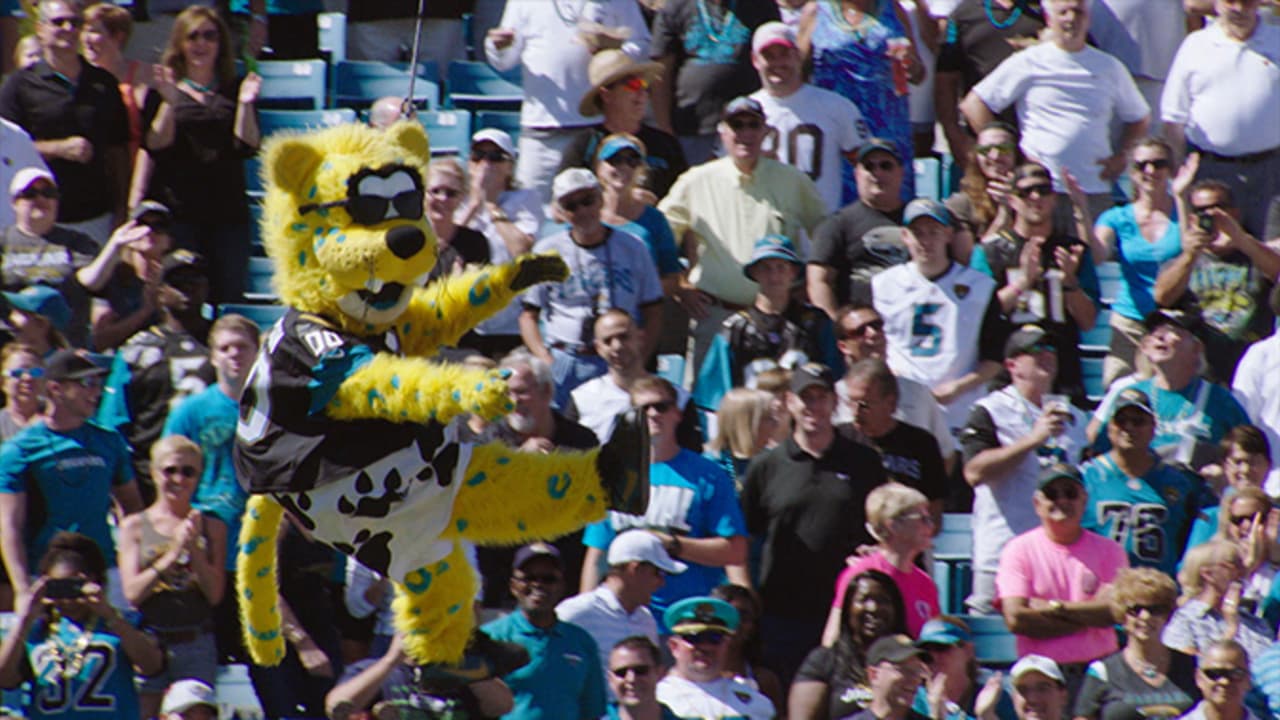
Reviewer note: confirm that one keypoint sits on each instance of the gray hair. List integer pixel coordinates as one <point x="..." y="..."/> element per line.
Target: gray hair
<point x="521" y="357"/>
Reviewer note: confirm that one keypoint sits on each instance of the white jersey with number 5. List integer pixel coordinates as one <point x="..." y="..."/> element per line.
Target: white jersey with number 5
<point x="816" y="128"/>
<point x="933" y="326"/>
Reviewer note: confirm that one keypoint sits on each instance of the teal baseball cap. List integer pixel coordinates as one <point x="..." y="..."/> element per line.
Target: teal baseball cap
<point x="700" y="614"/>
<point x="772" y="246"/>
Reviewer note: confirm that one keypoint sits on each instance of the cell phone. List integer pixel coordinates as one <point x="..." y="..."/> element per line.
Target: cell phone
<point x="64" y="588"/>
<point x="1205" y="221"/>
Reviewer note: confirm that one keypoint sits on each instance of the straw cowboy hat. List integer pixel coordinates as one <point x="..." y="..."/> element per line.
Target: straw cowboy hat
<point x="607" y="67"/>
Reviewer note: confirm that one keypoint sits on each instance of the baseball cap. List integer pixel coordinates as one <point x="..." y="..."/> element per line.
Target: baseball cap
<point x="1135" y="398"/>
<point x="742" y="105"/>
<point x="1185" y="316"/>
<point x="535" y="550"/>
<point x="616" y="144"/>
<point x="810" y="375"/>
<point x="1056" y="471"/>
<point x="161" y="216"/>
<point x="874" y="144"/>
<point x="571" y="181"/>
<point x="643" y="546"/>
<point x="497" y="137"/>
<point x="772" y="246"/>
<point x="186" y="694"/>
<point x="182" y="261"/>
<point x="924" y="207"/>
<point x="27" y="175"/>
<point x="71" y="365"/>
<point x="1037" y="663"/>
<point x="940" y="632"/>
<point x="1024" y="339"/>
<point x="773" y="33"/>
<point x="894" y="649"/>
<point x="42" y="300"/>
<point x="701" y="613"/>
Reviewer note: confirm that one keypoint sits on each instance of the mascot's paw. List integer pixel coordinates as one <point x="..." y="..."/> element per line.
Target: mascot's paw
<point x="623" y="464"/>
<point x="534" y="269"/>
<point x="489" y="399"/>
<point x="484" y="658"/>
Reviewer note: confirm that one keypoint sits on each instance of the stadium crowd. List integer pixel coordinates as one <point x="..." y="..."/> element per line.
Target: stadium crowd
<point x="1063" y="361"/>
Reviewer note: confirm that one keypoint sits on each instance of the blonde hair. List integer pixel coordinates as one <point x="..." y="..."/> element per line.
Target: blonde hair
<point x="1141" y="586"/>
<point x="175" y="444"/>
<point x="887" y="502"/>
<point x="774" y="380"/>
<point x="738" y="421"/>
<point x="1200" y="557"/>
<point x="1246" y="493"/>
<point x="235" y="322"/>
<point x="450" y="166"/>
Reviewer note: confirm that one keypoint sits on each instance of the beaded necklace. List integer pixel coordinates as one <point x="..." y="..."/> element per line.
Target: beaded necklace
<point x="197" y="86"/>
<point x="69" y="657"/>
<point x="716" y="34"/>
<point x="1013" y="16"/>
<point x="838" y="13"/>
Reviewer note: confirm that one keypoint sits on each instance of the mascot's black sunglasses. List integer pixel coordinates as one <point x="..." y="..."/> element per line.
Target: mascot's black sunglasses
<point x="371" y="209"/>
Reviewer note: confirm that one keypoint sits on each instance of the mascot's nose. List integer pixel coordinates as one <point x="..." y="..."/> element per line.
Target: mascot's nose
<point x="405" y="241"/>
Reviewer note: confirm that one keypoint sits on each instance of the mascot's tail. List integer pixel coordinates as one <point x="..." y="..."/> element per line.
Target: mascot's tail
<point x="256" y="584"/>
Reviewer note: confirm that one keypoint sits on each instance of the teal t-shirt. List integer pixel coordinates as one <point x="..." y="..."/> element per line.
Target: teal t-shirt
<point x="1139" y="260"/>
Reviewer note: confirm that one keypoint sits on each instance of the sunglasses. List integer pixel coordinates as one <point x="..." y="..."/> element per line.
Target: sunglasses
<point x="447" y="193"/>
<point x="372" y="209"/>
<point x="572" y="206"/>
<point x="916" y="516"/>
<point x="1041" y="189"/>
<point x="1136" y="610"/>
<point x="548" y="579"/>
<point x="34" y="373"/>
<point x="1156" y="163"/>
<point x="882" y="166"/>
<point x="205" y="35"/>
<point x="738" y="125"/>
<point x="639" y="670"/>
<point x="1241" y="519"/>
<point x="857" y="332"/>
<point x="706" y="637"/>
<point x="183" y="470"/>
<point x="628" y="159"/>
<point x="659" y="407"/>
<point x="1203" y="208"/>
<point x="490" y="155"/>
<point x="1224" y="673"/>
<point x="1067" y="493"/>
<point x="66" y="21"/>
<point x="39" y="192"/>
<point x="1002" y="148"/>
<point x="632" y="84"/>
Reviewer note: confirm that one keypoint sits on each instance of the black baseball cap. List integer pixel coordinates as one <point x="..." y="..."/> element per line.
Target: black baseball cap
<point x="1024" y="339"/>
<point x="1185" y="316"/>
<point x="810" y="375"/>
<point x="182" y="263"/>
<point x="71" y="365"/>
<point x="1059" y="470"/>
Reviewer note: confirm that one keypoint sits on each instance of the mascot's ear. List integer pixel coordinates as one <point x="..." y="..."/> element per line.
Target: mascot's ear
<point x="290" y="165"/>
<point x="410" y="135"/>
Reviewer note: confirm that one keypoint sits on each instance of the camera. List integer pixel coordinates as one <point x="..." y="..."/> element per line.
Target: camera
<point x="1205" y="221"/>
<point x="64" y="588"/>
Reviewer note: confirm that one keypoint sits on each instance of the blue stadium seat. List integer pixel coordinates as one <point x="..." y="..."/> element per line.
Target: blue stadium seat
<point x="253" y="177"/>
<point x="357" y="83"/>
<point x="235" y="693"/>
<point x="953" y="562"/>
<point x="1091" y="368"/>
<point x="448" y="130"/>
<point x="928" y="178"/>
<point x="508" y="121"/>
<point x="1110" y="280"/>
<point x="292" y="84"/>
<point x="273" y="121"/>
<point x="259" y="287"/>
<point x="477" y="86"/>
<point x="255" y="228"/>
<point x="994" y="645"/>
<point x="1098" y="340"/>
<point x="263" y="315"/>
<point x="332" y="28"/>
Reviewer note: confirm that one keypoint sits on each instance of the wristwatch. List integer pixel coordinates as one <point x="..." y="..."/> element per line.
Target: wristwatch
<point x="1056" y="607"/>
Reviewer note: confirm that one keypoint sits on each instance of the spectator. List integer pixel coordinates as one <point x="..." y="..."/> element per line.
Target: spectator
<point x="1145" y="677"/>
<point x="1212" y="579"/>
<point x="598" y="402"/>
<point x="620" y="88"/>
<point x="861" y="332"/>
<point x="619" y="163"/>
<point x="745" y="425"/>
<point x="19" y="153"/>
<point x="209" y="418"/>
<point x="1067" y="94"/>
<point x="152" y="30"/>
<point x="367" y="597"/>
<point x="1244" y="518"/>
<point x="509" y="217"/>
<point x="814" y="130"/>
<point x="563" y="678"/>
<point x="776" y="330"/>
<point x="36" y="250"/>
<point x="1246" y="463"/>
<point x="1192" y="413"/>
<point x="1054" y="582"/>
<point x="692" y="508"/>
<point x="832" y="682"/>
<point x="387" y="110"/>
<point x="107" y="28"/>
<point x="618" y="608"/>
<point x="930" y="306"/>
<point x="74" y="113"/>
<point x="861" y="50"/>
<point x="910" y="454"/>
<point x="1134" y="497"/>
<point x="696" y="685"/>
<point x="553" y="50"/>
<point x="1222" y="674"/>
<point x="718" y="210"/>
<point x="200" y="124"/>
<point x="898" y="517"/>
<point x="705" y="52"/>
<point x="1218" y="101"/>
<point x="189" y="699"/>
<point x="172" y="561"/>
<point x="1144" y="35"/>
<point x="162" y="364"/>
<point x="1039" y="689"/>
<point x="1251" y="385"/>
<point x="126" y="276"/>
<point x="806" y="498"/>
<point x="68" y="599"/>
<point x="66" y="464"/>
<point x="957" y="688"/>
<point x="864" y="237"/>
<point x="744" y="662"/>
<point x="27" y="52"/>
<point x="459" y="246"/>
<point x="895" y="670"/>
<point x="23" y="388"/>
<point x="633" y="672"/>
<point x="1043" y="276"/>
<point x="38" y="317"/>
<point x="981" y="205"/>
<point x="1141" y="236"/>
<point x="1224" y="269"/>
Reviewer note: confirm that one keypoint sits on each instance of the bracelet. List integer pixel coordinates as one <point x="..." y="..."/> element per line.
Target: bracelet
<point x="673" y="546"/>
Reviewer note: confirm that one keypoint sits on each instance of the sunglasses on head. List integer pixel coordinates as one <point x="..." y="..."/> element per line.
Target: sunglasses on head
<point x="548" y="579"/>
<point x="1053" y="494"/>
<point x="183" y="470"/>
<point x="1041" y="189"/>
<point x="1002" y="148"/>
<point x="205" y="35"/>
<point x="1156" y="163"/>
<point x="660" y="406"/>
<point x="34" y="373"/>
<point x="639" y="670"/>
<point x="634" y="83"/>
<point x="572" y="206"/>
<point x="706" y="637"/>
<point x="882" y="166"/>
<point x="66" y="21"/>
<point x="737" y="124"/>
<point x="445" y="192"/>
<point x="44" y="191"/>
<point x="1224" y="673"/>
<point x="857" y="332"/>
<point x="490" y="155"/>
<point x="1136" y="609"/>
<point x="628" y="159"/>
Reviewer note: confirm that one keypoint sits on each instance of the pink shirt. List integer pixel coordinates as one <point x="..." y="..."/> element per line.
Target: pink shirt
<point x="1033" y="566"/>
<point x="919" y="594"/>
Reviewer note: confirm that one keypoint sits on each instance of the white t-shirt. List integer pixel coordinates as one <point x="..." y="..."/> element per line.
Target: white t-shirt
<point x="1254" y="386"/>
<point x="17" y="151"/>
<point x="815" y="128"/>
<point x="524" y="207"/>
<point x="1142" y="34"/>
<point x="1065" y="102"/>
<point x="1226" y="93"/>
<point x="721" y="699"/>
<point x="598" y="402"/>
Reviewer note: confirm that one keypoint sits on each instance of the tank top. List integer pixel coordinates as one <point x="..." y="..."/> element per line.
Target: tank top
<point x="177" y="604"/>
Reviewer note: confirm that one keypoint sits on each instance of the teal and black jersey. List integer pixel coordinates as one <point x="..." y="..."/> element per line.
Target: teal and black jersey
<point x="78" y="680"/>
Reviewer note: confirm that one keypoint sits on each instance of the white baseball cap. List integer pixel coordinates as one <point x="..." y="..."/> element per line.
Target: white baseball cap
<point x="1040" y="664"/>
<point x="186" y="694"/>
<point x="497" y="137"/>
<point x="572" y="180"/>
<point x="27" y="175"/>
<point x="773" y="33"/>
<point x="643" y="546"/>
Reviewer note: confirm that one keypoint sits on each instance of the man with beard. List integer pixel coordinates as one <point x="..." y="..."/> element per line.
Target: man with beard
<point x="696" y="686"/>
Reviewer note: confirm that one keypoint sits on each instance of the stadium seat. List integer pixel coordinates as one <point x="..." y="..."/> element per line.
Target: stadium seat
<point x="508" y="121"/>
<point x="253" y="177"/>
<point x="1110" y="280"/>
<point x="263" y="315"/>
<point x="953" y="561"/>
<point x="477" y="86"/>
<point x="234" y="692"/>
<point x="1098" y="339"/>
<point x="357" y="83"/>
<point x="292" y="84"/>
<point x="255" y="228"/>
<point x="332" y="29"/>
<point x="1091" y="368"/>
<point x="273" y="121"/>
<point x="928" y="178"/>
<point x="993" y="644"/>
<point x="448" y="130"/>
<point x="259" y="288"/>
